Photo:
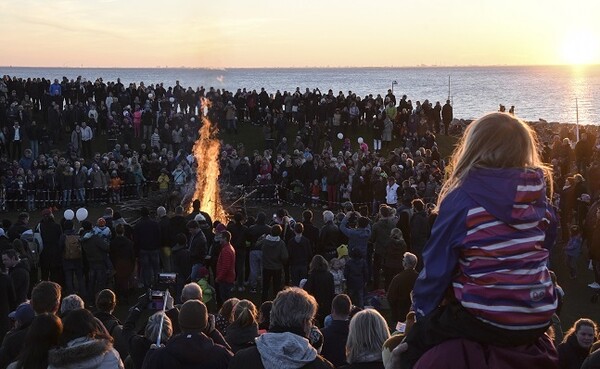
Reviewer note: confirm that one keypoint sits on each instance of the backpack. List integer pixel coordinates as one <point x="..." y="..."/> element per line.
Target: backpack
<point x="32" y="248"/>
<point x="72" y="247"/>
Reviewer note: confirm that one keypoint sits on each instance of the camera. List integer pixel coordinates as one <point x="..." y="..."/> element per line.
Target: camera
<point x="157" y="294"/>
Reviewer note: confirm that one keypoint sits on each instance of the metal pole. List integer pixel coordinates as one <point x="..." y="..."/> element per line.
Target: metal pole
<point x="162" y="318"/>
<point x="577" y="118"/>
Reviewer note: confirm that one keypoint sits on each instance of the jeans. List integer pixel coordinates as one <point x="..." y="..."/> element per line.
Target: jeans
<point x="150" y="266"/>
<point x="271" y="277"/>
<point x="224" y="292"/>
<point x="34" y="146"/>
<point x="357" y="296"/>
<point x="76" y="272"/>
<point x="240" y="266"/>
<point x="96" y="280"/>
<point x="66" y="200"/>
<point x="255" y="267"/>
<point x="80" y="195"/>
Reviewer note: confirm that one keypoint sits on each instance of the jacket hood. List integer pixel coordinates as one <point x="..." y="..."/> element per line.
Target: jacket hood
<point x="284" y="350"/>
<point x="515" y="195"/>
<point x="81" y="352"/>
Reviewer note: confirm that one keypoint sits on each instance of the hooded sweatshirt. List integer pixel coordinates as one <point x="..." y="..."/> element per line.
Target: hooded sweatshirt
<point x="285" y="350"/>
<point x="491" y="231"/>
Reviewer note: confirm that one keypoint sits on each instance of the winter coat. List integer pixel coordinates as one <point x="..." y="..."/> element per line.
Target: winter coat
<point x="329" y="239"/>
<point x="95" y="249"/>
<point x="460" y="353"/>
<point x="85" y="353"/>
<point x="357" y="237"/>
<point x="300" y="252"/>
<point x="394" y="253"/>
<point x="380" y="234"/>
<point x="279" y="351"/>
<point x="500" y="215"/>
<point x="19" y="275"/>
<point x="239" y="337"/>
<point x="146" y="235"/>
<point x="571" y="355"/>
<point x="320" y="286"/>
<point x="275" y="253"/>
<point x="356" y="273"/>
<point x="7" y="303"/>
<point x="334" y="342"/>
<point x="50" y="255"/>
<point x="398" y="293"/>
<point x="188" y="351"/>
<point x="115" y="329"/>
<point x="181" y="261"/>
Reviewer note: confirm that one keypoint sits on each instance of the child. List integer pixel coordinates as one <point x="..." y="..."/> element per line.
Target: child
<point x="486" y="246"/>
<point x="115" y="188"/>
<point x="208" y="291"/>
<point x="337" y="270"/>
<point x="163" y="181"/>
<point x="356" y="275"/>
<point x="315" y="192"/>
<point x="573" y="250"/>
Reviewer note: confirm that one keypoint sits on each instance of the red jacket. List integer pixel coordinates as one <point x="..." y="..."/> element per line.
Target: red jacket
<point x="226" y="265"/>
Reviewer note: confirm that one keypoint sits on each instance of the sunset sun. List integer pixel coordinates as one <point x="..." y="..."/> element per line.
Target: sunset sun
<point x="580" y="47"/>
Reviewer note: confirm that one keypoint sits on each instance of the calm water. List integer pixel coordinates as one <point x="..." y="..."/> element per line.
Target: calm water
<point x="546" y="92"/>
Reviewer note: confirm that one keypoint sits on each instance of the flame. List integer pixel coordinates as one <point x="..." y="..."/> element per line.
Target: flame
<point x="206" y="152"/>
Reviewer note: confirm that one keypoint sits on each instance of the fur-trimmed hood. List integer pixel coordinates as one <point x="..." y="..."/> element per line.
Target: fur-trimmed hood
<point x="85" y="353"/>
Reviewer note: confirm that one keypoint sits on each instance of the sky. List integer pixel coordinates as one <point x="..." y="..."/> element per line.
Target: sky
<point x="297" y="33"/>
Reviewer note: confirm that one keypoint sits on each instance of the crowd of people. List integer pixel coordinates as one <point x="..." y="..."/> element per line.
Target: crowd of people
<point x="390" y="211"/>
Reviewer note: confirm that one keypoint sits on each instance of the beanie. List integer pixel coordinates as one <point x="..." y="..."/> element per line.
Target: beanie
<point x="193" y="316"/>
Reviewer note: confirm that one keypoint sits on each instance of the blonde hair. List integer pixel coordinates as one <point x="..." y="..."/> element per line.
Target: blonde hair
<point x="153" y="327"/>
<point x="367" y="333"/>
<point x="496" y="140"/>
<point x="244" y="313"/>
<point x="226" y="310"/>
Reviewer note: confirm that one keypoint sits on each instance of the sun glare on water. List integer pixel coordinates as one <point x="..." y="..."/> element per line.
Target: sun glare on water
<point x="580" y="47"/>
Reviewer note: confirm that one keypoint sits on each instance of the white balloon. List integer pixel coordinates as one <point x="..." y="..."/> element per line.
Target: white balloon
<point x="69" y="214"/>
<point x="340" y="136"/>
<point x="81" y="214"/>
<point x="172" y="99"/>
<point x="150" y="95"/>
<point x="360" y="140"/>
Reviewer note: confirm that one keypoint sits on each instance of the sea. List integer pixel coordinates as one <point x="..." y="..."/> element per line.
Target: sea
<point x="564" y="94"/>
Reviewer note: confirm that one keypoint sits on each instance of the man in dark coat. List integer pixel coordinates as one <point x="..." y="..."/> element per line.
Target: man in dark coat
<point x="50" y="257"/>
<point x="310" y="231"/>
<point x="146" y="236"/>
<point x="447" y="116"/>
<point x="191" y="348"/>
<point x="329" y="237"/>
<point x="18" y="271"/>
<point x="335" y="334"/>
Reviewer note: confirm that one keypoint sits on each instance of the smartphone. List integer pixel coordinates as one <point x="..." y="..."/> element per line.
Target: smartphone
<point x="157" y="300"/>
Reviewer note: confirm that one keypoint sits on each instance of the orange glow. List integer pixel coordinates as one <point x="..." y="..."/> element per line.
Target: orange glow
<point x="206" y="152"/>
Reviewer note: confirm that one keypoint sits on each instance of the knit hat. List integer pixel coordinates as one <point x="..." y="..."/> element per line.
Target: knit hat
<point x="220" y="228"/>
<point x="101" y="222"/>
<point x="193" y="316"/>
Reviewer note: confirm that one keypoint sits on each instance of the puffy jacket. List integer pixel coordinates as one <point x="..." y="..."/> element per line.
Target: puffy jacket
<point x="85" y="353"/>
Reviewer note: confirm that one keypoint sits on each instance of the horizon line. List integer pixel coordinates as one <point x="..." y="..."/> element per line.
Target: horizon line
<point x="309" y="67"/>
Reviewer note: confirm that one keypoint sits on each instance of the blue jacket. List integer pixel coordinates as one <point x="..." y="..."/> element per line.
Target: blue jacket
<point x="357" y="237"/>
<point x="487" y="244"/>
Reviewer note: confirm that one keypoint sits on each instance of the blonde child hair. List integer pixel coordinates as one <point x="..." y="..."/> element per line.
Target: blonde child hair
<point x="496" y="140"/>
